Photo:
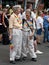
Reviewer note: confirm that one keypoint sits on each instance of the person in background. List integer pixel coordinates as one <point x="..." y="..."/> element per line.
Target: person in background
<point x="8" y="10"/>
<point x="35" y="11"/>
<point x="35" y="36"/>
<point x="39" y="24"/>
<point x="11" y="10"/>
<point x="48" y="25"/>
<point x="45" y="25"/>
<point x="7" y="6"/>
<point x="5" y="29"/>
<point x="29" y="6"/>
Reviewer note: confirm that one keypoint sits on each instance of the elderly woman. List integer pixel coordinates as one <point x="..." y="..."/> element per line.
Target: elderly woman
<point x="28" y="36"/>
<point x="15" y="26"/>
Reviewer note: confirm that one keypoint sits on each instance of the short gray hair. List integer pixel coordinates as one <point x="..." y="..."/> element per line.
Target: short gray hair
<point x="28" y="10"/>
<point x="15" y="8"/>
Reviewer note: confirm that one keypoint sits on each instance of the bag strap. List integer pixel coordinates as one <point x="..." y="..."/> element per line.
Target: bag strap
<point x="27" y="24"/>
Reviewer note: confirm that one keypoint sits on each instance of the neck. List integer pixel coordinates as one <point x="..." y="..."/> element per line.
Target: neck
<point x="28" y="18"/>
<point x="16" y="14"/>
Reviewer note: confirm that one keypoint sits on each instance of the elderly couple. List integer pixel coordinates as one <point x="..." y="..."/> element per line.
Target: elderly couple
<point x="21" y="35"/>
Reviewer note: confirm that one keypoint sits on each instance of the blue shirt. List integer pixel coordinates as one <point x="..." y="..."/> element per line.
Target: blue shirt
<point x="45" y="23"/>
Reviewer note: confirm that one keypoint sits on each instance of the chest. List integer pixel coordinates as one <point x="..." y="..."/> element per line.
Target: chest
<point x="17" y="20"/>
<point x="30" y="22"/>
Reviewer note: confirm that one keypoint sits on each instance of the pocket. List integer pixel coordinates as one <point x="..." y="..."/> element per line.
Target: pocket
<point x="15" y="32"/>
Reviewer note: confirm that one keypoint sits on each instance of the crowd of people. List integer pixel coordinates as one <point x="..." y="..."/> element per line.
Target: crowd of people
<point x="23" y="30"/>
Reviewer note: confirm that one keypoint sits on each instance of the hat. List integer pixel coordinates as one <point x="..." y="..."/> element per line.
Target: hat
<point x="7" y="6"/>
<point x="18" y="6"/>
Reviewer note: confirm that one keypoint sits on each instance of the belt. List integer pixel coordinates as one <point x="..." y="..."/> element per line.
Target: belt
<point x="15" y="27"/>
<point x="26" y="30"/>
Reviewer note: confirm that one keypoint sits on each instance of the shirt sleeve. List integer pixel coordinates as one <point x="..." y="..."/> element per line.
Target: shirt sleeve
<point x="33" y="15"/>
<point x="23" y="15"/>
<point x="34" y="26"/>
<point x="11" y="20"/>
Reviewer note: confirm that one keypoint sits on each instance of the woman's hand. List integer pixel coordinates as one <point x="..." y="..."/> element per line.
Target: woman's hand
<point x="11" y="46"/>
<point x="10" y="37"/>
<point x="30" y="37"/>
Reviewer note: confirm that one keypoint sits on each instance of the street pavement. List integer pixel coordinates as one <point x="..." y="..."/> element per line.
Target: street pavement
<point x="42" y="59"/>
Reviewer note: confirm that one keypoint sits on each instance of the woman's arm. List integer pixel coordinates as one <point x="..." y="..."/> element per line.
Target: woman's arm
<point x="3" y="20"/>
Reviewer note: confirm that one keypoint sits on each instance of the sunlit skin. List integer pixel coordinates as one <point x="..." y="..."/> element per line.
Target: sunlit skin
<point x="11" y="46"/>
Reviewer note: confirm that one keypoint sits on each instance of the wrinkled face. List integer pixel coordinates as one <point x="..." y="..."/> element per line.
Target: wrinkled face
<point x="28" y="15"/>
<point x="18" y="11"/>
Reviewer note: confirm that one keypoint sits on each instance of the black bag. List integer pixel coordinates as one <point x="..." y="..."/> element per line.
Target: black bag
<point x="5" y="38"/>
